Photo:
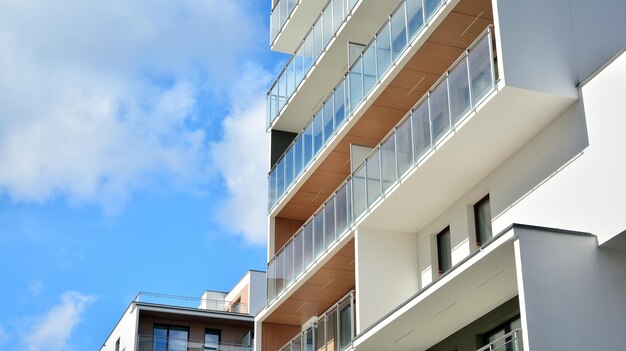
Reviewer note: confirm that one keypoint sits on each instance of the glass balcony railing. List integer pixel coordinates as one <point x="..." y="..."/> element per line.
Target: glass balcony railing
<point x="315" y="42"/>
<point x="453" y="97"/>
<point x="333" y="331"/>
<point x="280" y="13"/>
<point x="511" y="341"/>
<point x="158" y="343"/>
<point x="192" y="302"/>
<point x="406" y="22"/>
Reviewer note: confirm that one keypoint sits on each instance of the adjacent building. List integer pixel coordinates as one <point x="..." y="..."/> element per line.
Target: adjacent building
<point x="221" y="321"/>
<point x="447" y="175"/>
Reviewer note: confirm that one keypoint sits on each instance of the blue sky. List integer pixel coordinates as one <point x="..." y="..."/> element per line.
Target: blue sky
<point x="132" y="158"/>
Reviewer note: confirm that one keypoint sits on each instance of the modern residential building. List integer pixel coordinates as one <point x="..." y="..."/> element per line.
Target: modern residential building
<point x="221" y="321"/>
<point x="447" y="175"/>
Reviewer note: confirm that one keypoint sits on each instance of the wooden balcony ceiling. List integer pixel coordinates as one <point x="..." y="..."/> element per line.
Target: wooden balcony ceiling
<point x="329" y="284"/>
<point x="453" y="36"/>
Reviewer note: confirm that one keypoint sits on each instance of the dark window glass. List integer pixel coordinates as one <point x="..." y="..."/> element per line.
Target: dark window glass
<point x="170" y="338"/>
<point x="482" y="218"/>
<point x="211" y="339"/>
<point x="444" y="251"/>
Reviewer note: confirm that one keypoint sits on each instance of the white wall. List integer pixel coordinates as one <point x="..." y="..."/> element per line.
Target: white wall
<point x="258" y="292"/>
<point x="386" y="272"/>
<point x="125" y="331"/>
<point x="572" y="294"/>
<point x="551" y="46"/>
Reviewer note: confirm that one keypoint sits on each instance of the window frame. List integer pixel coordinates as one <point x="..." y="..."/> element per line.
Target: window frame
<point x="168" y="327"/>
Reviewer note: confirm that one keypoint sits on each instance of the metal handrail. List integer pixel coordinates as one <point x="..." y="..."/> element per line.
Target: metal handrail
<point x="186" y="301"/>
<point x="509" y="338"/>
<point x="191" y="345"/>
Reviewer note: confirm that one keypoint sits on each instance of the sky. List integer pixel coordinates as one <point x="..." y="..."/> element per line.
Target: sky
<point x="133" y="157"/>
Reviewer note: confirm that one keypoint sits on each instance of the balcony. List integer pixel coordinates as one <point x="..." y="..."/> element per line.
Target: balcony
<point x="455" y="96"/>
<point x="311" y="47"/>
<point x="388" y="47"/>
<point x="509" y="342"/>
<point x="333" y="331"/>
<point x="156" y="343"/>
<point x="191" y="302"/>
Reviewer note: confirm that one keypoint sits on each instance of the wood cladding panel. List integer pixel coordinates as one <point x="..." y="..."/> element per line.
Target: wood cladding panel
<point x="284" y="228"/>
<point x="276" y="335"/>
<point x="451" y="38"/>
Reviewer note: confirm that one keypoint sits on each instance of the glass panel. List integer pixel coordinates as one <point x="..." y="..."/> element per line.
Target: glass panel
<point x="271" y="185"/>
<point x="308" y="144"/>
<point x="341" y="209"/>
<point x="404" y="148"/>
<point x="320" y="336"/>
<point x="439" y="113"/>
<point x="388" y="162"/>
<point x="280" y="272"/>
<point x="369" y="69"/>
<point x="348" y="197"/>
<point x="160" y="338"/>
<point x="459" y="91"/>
<point x="345" y="325"/>
<point x="431" y="6"/>
<point x="271" y="281"/>
<point x="327" y="20"/>
<point x="338" y="14"/>
<point x="274" y="102"/>
<point x="297" y="255"/>
<point x="340" y="111"/>
<point x="288" y="252"/>
<point x="296" y="346"/>
<point x="317" y="40"/>
<point x="282" y="91"/>
<point x="398" y="32"/>
<point x="383" y="51"/>
<point x="290" y="74"/>
<point x="329" y="223"/>
<point x="297" y="157"/>
<point x="318" y="132"/>
<point x="307" y="253"/>
<point x="211" y="340"/>
<point x="497" y="338"/>
<point x="444" y="251"/>
<point x="356" y="85"/>
<point x="299" y="64"/>
<point x="517" y="344"/>
<point x="308" y="339"/>
<point x="329" y="125"/>
<point x="373" y="178"/>
<point x="480" y="70"/>
<point x="359" y="192"/>
<point x="308" y="53"/>
<point x="318" y="234"/>
<point x="280" y="179"/>
<point x="178" y="339"/>
<point x="331" y="331"/>
<point x="415" y="17"/>
<point x="421" y="130"/>
<point x="288" y="168"/>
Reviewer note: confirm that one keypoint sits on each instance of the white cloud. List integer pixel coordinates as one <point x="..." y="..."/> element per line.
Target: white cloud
<point x="52" y="331"/>
<point x="242" y="158"/>
<point x="4" y="337"/>
<point x="101" y="98"/>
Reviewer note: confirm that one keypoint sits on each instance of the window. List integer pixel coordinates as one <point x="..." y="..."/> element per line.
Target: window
<point x="170" y="338"/>
<point x="482" y="221"/>
<point x="211" y="339"/>
<point x="117" y="345"/>
<point x="444" y="251"/>
<point x="496" y="336"/>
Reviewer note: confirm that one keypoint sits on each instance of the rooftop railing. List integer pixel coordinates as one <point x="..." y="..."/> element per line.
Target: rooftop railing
<point x="192" y="302"/>
<point x="333" y="331"/>
<point x="408" y="20"/>
<point x="157" y="343"/>
<point x="312" y="46"/>
<point x="511" y="341"/>
<point x="453" y="97"/>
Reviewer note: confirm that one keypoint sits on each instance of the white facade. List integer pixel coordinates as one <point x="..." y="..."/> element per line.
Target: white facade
<point x="545" y="145"/>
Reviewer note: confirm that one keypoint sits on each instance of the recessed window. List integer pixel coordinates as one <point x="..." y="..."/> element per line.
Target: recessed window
<point x="117" y="345"/>
<point x="444" y="251"/>
<point x="482" y="221"/>
<point x="170" y="338"/>
<point x="211" y="339"/>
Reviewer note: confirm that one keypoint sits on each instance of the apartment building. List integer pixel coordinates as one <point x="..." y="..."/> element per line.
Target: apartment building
<point x="217" y="320"/>
<point x="447" y="175"/>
